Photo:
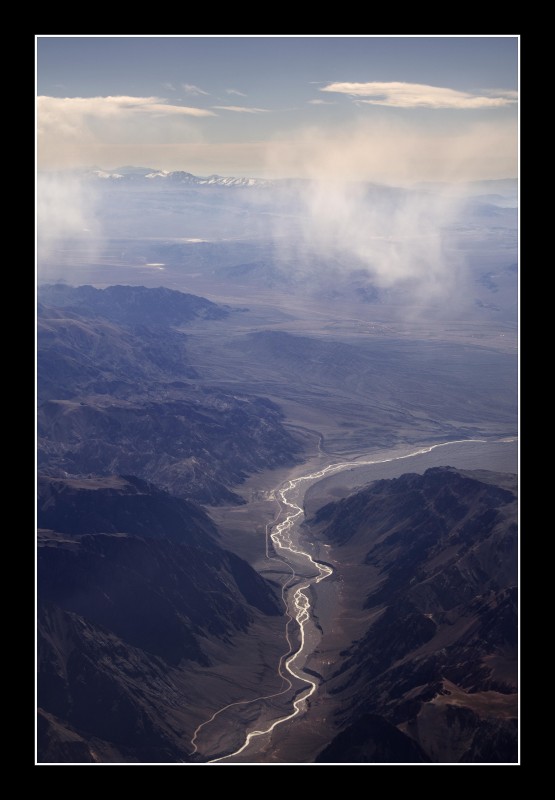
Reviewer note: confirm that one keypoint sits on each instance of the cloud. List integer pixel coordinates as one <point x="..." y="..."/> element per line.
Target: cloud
<point x="73" y="130"/>
<point x="392" y="152"/>
<point x="419" y="95"/>
<point x="319" y="102"/>
<point x="110" y="107"/>
<point x="243" y="109"/>
<point x="397" y="237"/>
<point x="190" y="88"/>
<point x="67" y="209"/>
<point x="235" y="91"/>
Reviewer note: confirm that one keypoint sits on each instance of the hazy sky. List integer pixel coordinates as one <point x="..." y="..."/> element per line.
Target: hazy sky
<point x="388" y="109"/>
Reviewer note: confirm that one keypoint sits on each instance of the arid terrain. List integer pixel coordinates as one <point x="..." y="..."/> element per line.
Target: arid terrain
<point x="182" y="386"/>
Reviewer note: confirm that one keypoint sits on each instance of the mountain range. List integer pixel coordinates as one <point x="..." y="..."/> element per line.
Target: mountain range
<point x="431" y="561"/>
<point x="153" y="403"/>
<point x="129" y="173"/>
<point x="495" y="191"/>
<point x="117" y="394"/>
<point x="135" y="598"/>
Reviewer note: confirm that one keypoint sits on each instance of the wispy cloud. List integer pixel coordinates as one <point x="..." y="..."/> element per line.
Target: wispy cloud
<point x="66" y="208"/>
<point x="190" y="88"/>
<point x="318" y="102"/>
<point x="397" y="238"/>
<point x="112" y="107"/>
<point x="243" y="109"/>
<point x="386" y="150"/>
<point x="235" y="91"/>
<point x="419" y="95"/>
<point x="169" y="87"/>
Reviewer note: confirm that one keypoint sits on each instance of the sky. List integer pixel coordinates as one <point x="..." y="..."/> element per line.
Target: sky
<point x="389" y="109"/>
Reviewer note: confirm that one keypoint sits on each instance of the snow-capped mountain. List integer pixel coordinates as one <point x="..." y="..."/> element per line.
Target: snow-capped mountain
<point x="144" y="173"/>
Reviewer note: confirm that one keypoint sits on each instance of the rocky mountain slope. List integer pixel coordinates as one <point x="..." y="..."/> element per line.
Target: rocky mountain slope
<point x="137" y="603"/>
<point x="117" y="394"/>
<point x="435" y="560"/>
<point x="132" y="305"/>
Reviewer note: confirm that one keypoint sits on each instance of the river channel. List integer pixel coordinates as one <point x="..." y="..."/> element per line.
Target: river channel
<point x="306" y="570"/>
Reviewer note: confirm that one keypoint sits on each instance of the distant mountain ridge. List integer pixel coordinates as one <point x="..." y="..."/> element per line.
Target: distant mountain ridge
<point x="499" y="188"/>
<point x="494" y="194"/>
<point x="126" y="174"/>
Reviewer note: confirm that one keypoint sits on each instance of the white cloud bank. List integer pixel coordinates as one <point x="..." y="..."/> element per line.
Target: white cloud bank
<point x="398" y="238"/>
<point x="398" y="94"/>
<point x="77" y="130"/>
<point x="393" y="152"/>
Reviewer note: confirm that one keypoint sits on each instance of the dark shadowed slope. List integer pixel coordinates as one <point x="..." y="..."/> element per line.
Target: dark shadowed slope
<point x="439" y="657"/>
<point x="372" y="740"/>
<point x="136" y="599"/>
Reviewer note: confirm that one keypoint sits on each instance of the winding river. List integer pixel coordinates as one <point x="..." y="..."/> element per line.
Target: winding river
<point x="306" y="571"/>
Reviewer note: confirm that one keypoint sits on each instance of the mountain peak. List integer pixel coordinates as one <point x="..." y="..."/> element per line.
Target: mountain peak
<point x="130" y="173"/>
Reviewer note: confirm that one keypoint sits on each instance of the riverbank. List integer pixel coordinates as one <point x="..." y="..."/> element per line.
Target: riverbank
<point x="326" y="619"/>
